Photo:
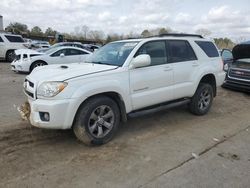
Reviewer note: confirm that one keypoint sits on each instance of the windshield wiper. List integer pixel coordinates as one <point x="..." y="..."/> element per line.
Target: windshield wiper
<point x="99" y="62"/>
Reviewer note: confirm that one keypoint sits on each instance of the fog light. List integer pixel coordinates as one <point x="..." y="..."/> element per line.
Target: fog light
<point x="44" y="116"/>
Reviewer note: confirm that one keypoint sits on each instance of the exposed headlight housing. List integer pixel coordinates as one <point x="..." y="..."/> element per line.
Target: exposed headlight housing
<point x="50" y="89"/>
<point x="226" y="67"/>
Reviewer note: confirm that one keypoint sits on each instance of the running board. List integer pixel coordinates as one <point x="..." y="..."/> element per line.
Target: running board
<point x="157" y="108"/>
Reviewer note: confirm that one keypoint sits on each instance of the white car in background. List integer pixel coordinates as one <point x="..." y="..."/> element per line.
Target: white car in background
<point x="31" y="59"/>
<point x="8" y="44"/>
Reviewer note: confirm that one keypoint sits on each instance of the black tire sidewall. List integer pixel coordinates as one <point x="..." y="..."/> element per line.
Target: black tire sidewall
<point x="8" y="56"/>
<point x="87" y="110"/>
<point x="194" y="107"/>
<point x="33" y="65"/>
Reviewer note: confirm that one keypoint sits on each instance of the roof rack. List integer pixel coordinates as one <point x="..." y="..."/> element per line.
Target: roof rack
<point x="179" y="35"/>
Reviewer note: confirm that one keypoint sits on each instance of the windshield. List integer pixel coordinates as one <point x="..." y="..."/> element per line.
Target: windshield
<point x="113" y="53"/>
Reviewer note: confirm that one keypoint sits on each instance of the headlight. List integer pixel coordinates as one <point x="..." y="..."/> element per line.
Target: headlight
<point x="50" y="89"/>
<point x="226" y="67"/>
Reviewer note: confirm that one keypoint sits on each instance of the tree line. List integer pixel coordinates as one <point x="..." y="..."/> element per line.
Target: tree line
<point x="85" y="33"/>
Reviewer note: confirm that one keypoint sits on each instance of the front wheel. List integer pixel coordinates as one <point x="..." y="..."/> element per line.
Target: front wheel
<point x="10" y="56"/>
<point x="37" y="64"/>
<point x="202" y="100"/>
<point x="97" y="121"/>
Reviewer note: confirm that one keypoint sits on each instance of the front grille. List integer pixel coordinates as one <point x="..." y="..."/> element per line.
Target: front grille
<point x="239" y="73"/>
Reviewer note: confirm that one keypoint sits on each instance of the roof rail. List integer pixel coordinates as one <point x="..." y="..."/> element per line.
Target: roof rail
<point x="180" y="35"/>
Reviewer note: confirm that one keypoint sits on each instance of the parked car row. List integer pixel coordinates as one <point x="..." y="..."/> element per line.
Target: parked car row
<point x="9" y="43"/>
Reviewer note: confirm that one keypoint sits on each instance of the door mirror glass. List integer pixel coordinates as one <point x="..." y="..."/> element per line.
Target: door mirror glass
<point x="141" y="61"/>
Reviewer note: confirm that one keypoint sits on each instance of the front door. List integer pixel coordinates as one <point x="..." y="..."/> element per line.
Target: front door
<point x="153" y="84"/>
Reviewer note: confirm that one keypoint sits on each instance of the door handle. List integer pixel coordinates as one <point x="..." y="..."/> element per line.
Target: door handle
<point x="195" y="64"/>
<point x="168" y="68"/>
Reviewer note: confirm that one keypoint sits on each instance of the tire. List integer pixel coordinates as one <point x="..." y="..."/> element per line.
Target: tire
<point x="90" y="126"/>
<point x="37" y="64"/>
<point x="10" y="56"/>
<point x="202" y="100"/>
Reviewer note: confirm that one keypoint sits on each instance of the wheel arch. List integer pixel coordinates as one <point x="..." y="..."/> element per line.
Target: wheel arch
<point x="7" y="51"/>
<point x="113" y="95"/>
<point x="32" y="64"/>
<point x="210" y="79"/>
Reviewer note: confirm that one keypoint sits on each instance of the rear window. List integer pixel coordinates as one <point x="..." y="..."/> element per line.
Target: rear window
<point x="33" y="55"/>
<point x="12" y="38"/>
<point x="209" y="48"/>
<point x="1" y="40"/>
<point x="179" y="51"/>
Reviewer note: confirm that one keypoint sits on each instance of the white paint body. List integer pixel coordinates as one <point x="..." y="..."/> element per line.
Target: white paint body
<point x="24" y="64"/>
<point x="6" y="45"/>
<point x="138" y="88"/>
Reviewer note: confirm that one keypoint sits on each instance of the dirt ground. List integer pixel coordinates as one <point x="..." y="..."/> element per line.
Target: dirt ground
<point x="171" y="148"/>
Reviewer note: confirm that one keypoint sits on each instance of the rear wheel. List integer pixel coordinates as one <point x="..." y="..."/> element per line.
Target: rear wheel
<point x="37" y="64"/>
<point x="202" y="100"/>
<point x="97" y="121"/>
<point x="10" y="56"/>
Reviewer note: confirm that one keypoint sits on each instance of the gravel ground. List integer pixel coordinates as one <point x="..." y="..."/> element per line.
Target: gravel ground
<point x="171" y="148"/>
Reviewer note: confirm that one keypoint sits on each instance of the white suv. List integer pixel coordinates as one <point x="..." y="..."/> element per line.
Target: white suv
<point x="124" y="78"/>
<point x="8" y="44"/>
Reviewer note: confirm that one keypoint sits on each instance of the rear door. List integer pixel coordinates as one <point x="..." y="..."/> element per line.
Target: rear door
<point x="152" y="84"/>
<point x="185" y="63"/>
<point x="2" y="55"/>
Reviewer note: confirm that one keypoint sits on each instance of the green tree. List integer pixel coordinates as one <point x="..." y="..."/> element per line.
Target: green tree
<point x="164" y="30"/>
<point x="146" y="33"/>
<point x="17" y="28"/>
<point x="224" y="43"/>
<point x="37" y="31"/>
<point x="50" y="32"/>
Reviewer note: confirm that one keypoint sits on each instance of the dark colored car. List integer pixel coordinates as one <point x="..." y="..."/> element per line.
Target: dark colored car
<point x="238" y="73"/>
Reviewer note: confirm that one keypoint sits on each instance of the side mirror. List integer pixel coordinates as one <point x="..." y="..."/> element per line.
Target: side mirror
<point x="62" y="55"/>
<point x="141" y="61"/>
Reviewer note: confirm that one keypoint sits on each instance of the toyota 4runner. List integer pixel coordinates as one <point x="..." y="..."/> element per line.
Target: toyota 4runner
<point x="121" y="79"/>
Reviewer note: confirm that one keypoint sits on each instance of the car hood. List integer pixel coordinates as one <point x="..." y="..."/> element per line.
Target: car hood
<point x="241" y="51"/>
<point x="62" y="72"/>
<point x="26" y="51"/>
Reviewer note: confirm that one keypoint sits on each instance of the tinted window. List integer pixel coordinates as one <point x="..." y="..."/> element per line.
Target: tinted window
<point x="14" y="38"/>
<point x="180" y="50"/>
<point x="156" y="50"/>
<point x="74" y="52"/>
<point x="56" y="54"/>
<point x="208" y="48"/>
<point x="25" y="56"/>
<point x="1" y="40"/>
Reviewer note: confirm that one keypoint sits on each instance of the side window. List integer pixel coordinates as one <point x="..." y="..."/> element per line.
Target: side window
<point x="226" y="54"/>
<point x="56" y="54"/>
<point x="208" y="48"/>
<point x="179" y="51"/>
<point x="156" y="50"/>
<point x="12" y="38"/>
<point x="1" y="40"/>
<point x="74" y="52"/>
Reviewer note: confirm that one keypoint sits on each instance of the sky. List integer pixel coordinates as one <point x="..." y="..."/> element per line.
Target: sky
<point x="224" y="18"/>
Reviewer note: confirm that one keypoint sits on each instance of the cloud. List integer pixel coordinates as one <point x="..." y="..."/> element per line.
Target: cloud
<point x="221" y="18"/>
